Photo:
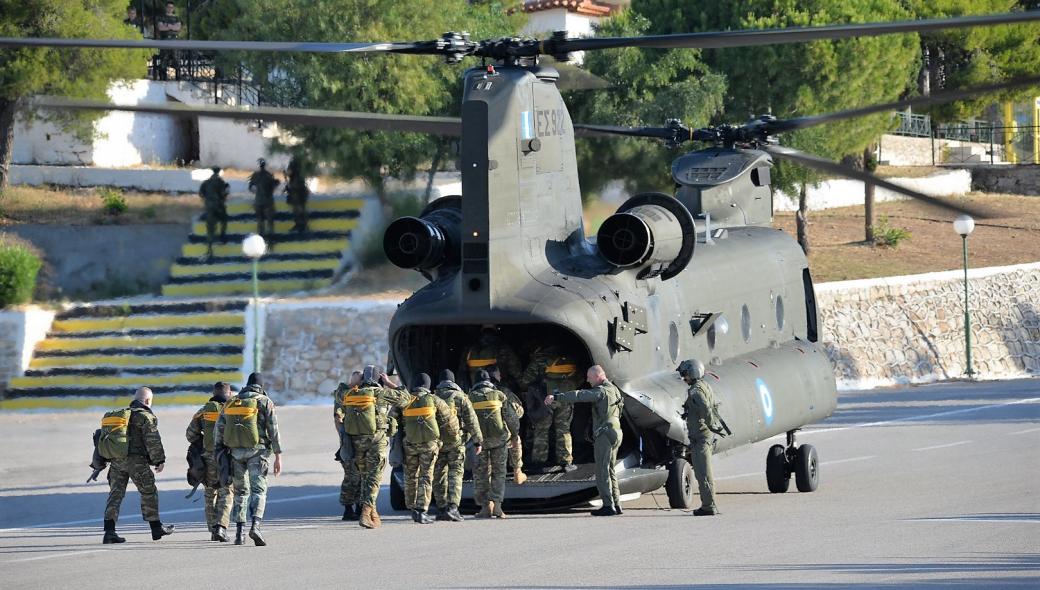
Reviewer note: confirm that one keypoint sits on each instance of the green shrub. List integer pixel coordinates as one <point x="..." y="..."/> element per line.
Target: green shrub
<point x="112" y="201"/>
<point x="19" y="266"/>
<point x="886" y="235"/>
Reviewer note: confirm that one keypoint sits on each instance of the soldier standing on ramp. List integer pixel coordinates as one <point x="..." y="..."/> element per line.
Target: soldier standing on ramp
<point x="262" y="184"/>
<point x="702" y="424"/>
<point x="451" y="459"/>
<point x="201" y="431"/>
<point x="515" y="447"/>
<point x="248" y="427"/>
<point x="296" y="193"/>
<point x="606" y="430"/>
<point x="552" y="368"/>
<point x="214" y="193"/>
<point x="427" y="420"/>
<point x="130" y="440"/>
<point x="498" y="423"/>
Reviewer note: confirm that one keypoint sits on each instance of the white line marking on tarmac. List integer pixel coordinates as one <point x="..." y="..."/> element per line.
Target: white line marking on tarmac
<point x="945" y="446"/>
<point x="1031" y="400"/>
<point x="1026" y="431"/>
<point x="50" y="555"/>
<point x="953" y="519"/>
<point x="849" y="460"/>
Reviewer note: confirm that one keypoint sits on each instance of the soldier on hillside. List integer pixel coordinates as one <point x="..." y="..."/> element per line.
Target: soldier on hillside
<point x="296" y="193"/>
<point x="201" y="431"/>
<point x="263" y="184"/>
<point x="214" y="193"/>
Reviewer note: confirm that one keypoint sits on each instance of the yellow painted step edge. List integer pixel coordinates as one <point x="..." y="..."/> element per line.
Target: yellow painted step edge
<point x="246" y="207"/>
<point x="334" y="246"/>
<point x="129" y="360"/>
<point x="281" y="227"/>
<point x="140" y="342"/>
<point x="80" y="403"/>
<point x="116" y="381"/>
<point x="243" y="287"/>
<point x="197" y="320"/>
<point x="183" y="270"/>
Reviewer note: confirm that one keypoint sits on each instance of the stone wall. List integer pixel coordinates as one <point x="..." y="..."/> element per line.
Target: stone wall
<point x="20" y="331"/>
<point x="911" y="329"/>
<point x="844" y="192"/>
<point x="1016" y="180"/>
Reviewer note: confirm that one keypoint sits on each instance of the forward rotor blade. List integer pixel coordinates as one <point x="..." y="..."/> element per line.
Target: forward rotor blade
<point x="202" y="45"/>
<point x="835" y="168"/>
<point x="919" y="101"/>
<point x="750" y="38"/>
<point x="447" y="126"/>
<point x="583" y="130"/>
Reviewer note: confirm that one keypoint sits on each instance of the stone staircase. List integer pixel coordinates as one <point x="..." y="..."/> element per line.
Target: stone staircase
<point x="96" y="355"/>
<point x="296" y="262"/>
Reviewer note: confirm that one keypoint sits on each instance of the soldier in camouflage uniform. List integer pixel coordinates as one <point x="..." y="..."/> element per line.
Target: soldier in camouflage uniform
<point x="214" y="193"/>
<point x="201" y="431"/>
<point x="366" y="421"/>
<point x="606" y="431"/>
<point x="702" y="424"/>
<point x="427" y="421"/>
<point x="348" y="489"/>
<point x="263" y="184"/>
<point x="515" y="447"/>
<point x="552" y="368"/>
<point x="145" y="451"/>
<point x="499" y="423"/>
<point x="451" y="459"/>
<point x="250" y="409"/>
<point x="490" y="350"/>
<point x="296" y="193"/>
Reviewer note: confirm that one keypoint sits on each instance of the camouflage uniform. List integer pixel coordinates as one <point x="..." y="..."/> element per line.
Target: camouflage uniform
<point x="606" y="431"/>
<point x="489" y="479"/>
<point x="420" y="455"/>
<point x="251" y="464"/>
<point x="145" y="451"/>
<point x="214" y="193"/>
<point x="296" y="193"/>
<point x="451" y="459"/>
<point x="702" y="424"/>
<point x="515" y="449"/>
<point x="370" y="449"/>
<point x="492" y="351"/>
<point x="348" y="489"/>
<point x="263" y="183"/>
<point x="559" y="373"/>
<point x="218" y="498"/>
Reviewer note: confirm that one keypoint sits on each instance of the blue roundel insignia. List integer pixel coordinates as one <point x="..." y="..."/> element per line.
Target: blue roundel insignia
<point x="767" y="400"/>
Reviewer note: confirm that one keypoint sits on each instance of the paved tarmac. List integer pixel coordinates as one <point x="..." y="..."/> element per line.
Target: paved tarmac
<point x="921" y="487"/>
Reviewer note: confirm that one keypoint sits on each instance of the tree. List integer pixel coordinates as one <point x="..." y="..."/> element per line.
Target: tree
<point x="647" y="87"/>
<point x="415" y="85"/>
<point x="81" y="73"/>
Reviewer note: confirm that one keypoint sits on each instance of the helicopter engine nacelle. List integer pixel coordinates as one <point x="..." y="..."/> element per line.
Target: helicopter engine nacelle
<point x="651" y="232"/>
<point x="429" y="241"/>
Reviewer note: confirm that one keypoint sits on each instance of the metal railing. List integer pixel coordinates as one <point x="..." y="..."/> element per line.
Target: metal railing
<point x="236" y="87"/>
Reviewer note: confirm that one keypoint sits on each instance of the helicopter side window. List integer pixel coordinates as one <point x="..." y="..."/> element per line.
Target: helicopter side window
<point x="745" y="323"/>
<point x="779" y="312"/>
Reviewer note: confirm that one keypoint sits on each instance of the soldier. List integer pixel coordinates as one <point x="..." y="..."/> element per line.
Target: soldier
<point x="248" y="427"/>
<point x="451" y="459"/>
<point x="606" y="431"/>
<point x="262" y="184"/>
<point x="490" y="350"/>
<point x="348" y="490"/>
<point x="214" y="193"/>
<point x="296" y="193"/>
<point x="499" y="423"/>
<point x="366" y="421"/>
<point x="200" y="431"/>
<point x="702" y="424"/>
<point x="427" y="420"/>
<point x="144" y="450"/>
<point x="515" y="448"/>
<point x="169" y="25"/>
<point x="552" y="368"/>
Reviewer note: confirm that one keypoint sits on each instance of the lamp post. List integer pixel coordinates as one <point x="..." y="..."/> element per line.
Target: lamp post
<point x="964" y="225"/>
<point x="254" y="247"/>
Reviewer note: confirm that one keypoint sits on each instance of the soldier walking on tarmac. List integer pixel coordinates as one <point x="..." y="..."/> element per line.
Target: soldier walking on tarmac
<point x="248" y="428"/>
<point x="451" y="459"/>
<point x="606" y="431"/>
<point x="201" y="432"/>
<point x="129" y="440"/>
<point x="427" y="420"/>
<point x="214" y="193"/>
<point x="703" y="423"/>
<point x="296" y="193"/>
<point x="263" y="184"/>
<point x="348" y="489"/>
<point x="499" y="424"/>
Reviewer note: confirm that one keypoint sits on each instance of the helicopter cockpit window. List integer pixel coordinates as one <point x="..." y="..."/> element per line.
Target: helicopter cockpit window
<point x="779" y="312"/>
<point x="711" y="337"/>
<point x="745" y="323"/>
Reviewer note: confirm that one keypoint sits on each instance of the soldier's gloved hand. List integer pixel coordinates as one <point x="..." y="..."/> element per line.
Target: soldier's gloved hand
<point x="278" y="464"/>
<point x="159" y="467"/>
<point x="549" y="399"/>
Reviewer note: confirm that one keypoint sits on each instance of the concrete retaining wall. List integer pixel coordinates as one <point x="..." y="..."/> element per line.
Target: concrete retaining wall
<point x="1016" y="180"/>
<point x="845" y="193"/>
<point x="178" y="180"/>
<point x="20" y="331"/>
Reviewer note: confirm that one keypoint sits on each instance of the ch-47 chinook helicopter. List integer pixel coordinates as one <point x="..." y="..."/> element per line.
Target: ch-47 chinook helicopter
<point x="698" y="274"/>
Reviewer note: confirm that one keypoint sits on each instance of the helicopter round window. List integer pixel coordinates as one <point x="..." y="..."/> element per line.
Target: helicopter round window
<point x="711" y="337"/>
<point x="779" y="312"/>
<point x="745" y="323"/>
<point x="673" y="341"/>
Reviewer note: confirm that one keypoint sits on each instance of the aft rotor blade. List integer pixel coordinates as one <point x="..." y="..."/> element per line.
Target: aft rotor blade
<point x="849" y="172"/>
<point x="447" y="126"/>
<point x="918" y="101"/>
<point x="203" y="45"/>
<point x="583" y="130"/>
<point x="749" y="38"/>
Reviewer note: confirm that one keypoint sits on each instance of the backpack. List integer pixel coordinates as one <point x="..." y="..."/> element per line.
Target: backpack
<point x="489" y="413"/>
<point x="359" y="412"/>
<point x="240" y="423"/>
<point x="209" y="414"/>
<point x="420" y="420"/>
<point x="114" y="442"/>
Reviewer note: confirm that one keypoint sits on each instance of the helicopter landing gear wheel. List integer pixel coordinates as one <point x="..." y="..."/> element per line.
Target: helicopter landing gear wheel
<point x="806" y="469"/>
<point x="800" y="460"/>
<point x="681" y="484"/>
<point x="778" y="478"/>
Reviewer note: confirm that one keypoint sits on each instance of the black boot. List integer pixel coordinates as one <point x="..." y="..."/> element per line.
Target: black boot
<point x="350" y="512"/>
<point x="441" y="513"/>
<point x="160" y="530"/>
<point x="239" y="539"/>
<point x="255" y="535"/>
<point x="110" y="533"/>
<point x="604" y="511"/>
<point x="702" y="511"/>
<point x="219" y="534"/>
<point x="617" y="509"/>
<point x="453" y="513"/>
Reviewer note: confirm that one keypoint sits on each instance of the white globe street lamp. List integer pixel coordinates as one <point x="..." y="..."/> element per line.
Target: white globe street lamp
<point x="254" y="246"/>
<point x="964" y="225"/>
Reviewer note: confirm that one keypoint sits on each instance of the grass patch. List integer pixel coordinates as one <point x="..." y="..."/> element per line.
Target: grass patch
<point x="94" y="206"/>
<point x="20" y="263"/>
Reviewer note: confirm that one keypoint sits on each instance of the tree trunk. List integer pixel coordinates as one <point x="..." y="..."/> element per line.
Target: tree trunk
<point x="801" y="218"/>
<point x="868" y="198"/>
<point x="7" y="112"/>
<point x="437" y="157"/>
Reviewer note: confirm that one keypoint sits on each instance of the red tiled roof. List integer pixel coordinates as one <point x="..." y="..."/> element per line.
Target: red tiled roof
<point x="586" y="7"/>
